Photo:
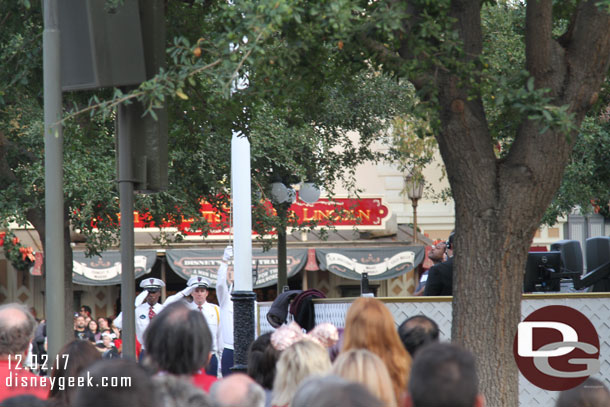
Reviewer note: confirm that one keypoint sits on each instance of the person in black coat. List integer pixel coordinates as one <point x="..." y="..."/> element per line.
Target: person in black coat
<point x="440" y="276"/>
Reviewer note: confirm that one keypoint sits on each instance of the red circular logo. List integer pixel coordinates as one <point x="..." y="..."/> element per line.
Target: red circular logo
<point x="556" y="348"/>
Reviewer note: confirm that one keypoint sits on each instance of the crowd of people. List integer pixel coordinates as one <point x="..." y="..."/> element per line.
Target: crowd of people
<point x="368" y="363"/>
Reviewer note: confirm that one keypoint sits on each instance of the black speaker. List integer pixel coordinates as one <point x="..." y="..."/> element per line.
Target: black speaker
<point x="598" y="251"/>
<point x="598" y="264"/>
<point x="571" y="254"/>
<point x="148" y="139"/>
<point x="99" y="47"/>
<point x="364" y="284"/>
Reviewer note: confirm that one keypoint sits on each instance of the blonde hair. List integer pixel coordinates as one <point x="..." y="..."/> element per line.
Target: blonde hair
<point x="364" y="367"/>
<point x="299" y="361"/>
<point x="370" y="325"/>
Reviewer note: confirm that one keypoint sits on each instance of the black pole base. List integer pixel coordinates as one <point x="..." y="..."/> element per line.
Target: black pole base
<point x="243" y="327"/>
<point x="239" y="369"/>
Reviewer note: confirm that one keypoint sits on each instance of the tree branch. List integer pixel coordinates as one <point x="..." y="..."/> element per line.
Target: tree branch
<point x="588" y="56"/>
<point x="389" y="58"/>
<point x="539" y="41"/>
<point x="5" y="171"/>
<point x="6" y="174"/>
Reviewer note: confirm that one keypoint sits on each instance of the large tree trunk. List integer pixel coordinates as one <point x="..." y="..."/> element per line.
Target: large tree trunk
<point x="499" y="202"/>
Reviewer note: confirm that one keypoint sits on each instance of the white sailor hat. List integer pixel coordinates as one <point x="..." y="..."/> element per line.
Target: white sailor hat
<point x="198" y="281"/>
<point x="152" y="284"/>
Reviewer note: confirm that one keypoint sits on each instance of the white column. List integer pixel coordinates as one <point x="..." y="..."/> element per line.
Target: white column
<point x="242" y="211"/>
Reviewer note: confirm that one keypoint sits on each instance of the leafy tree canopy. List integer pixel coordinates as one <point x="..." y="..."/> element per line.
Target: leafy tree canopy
<point x="298" y="120"/>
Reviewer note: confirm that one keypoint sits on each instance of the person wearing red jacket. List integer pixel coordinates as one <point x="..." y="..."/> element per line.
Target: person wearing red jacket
<point x="17" y="328"/>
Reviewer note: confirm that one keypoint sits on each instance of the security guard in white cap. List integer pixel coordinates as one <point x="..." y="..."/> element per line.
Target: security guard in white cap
<point x="148" y="309"/>
<point x="199" y="291"/>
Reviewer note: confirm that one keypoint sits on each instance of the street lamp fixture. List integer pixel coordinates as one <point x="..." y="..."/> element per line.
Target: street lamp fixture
<point x="279" y="192"/>
<point x="309" y="192"/>
<point x="415" y="189"/>
<point x="281" y="198"/>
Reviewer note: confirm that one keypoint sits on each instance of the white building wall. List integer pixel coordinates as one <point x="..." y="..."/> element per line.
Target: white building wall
<point x="435" y="218"/>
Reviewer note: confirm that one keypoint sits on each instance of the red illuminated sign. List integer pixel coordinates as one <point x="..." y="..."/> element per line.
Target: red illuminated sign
<point x="340" y="212"/>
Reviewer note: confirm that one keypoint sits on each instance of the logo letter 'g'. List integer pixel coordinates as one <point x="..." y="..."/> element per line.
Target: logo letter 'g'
<point x="592" y="365"/>
<point x="525" y="333"/>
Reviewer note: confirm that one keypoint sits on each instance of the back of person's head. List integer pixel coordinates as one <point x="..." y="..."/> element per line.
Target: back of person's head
<point x="72" y="359"/>
<point x="237" y="390"/>
<point x="178" y="340"/>
<point x="333" y="391"/>
<point x="262" y="358"/>
<point x="116" y="382"/>
<point x="17" y="326"/>
<point x="590" y="393"/>
<point x="335" y="350"/>
<point x="444" y="375"/>
<point x="299" y="361"/>
<point x="25" y="400"/>
<point x="364" y="367"/>
<point x="369" y="325"/>
<point x="175" y="391"/>
<point x="417" y="331"/>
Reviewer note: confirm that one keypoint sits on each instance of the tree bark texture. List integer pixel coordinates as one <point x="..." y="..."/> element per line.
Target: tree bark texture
<point x="499" y="202"/>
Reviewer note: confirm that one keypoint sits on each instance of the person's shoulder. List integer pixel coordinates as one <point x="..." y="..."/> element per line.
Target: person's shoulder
<point x="30" y="384"/>
<point x="203" y="380"/>
<point x="435" y="268"/>
<point x="447" y="264"/>
<point x="212" y="307"/>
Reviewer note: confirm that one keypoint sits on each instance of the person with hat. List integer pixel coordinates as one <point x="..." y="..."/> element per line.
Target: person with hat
<point x="198" y="287"/>
<point x="145" y="311"/>
<point x="224" y="288"/>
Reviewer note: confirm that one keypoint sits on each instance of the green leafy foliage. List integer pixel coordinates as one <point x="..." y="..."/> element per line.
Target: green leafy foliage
<point x="300" y="111"/>
<point x="586" y="181"/>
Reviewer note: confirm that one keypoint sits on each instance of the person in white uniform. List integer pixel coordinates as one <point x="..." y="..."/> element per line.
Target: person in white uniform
<point x="224" y="287"/>
<point x="148" y="309"/>
<point x="199" y="291"/>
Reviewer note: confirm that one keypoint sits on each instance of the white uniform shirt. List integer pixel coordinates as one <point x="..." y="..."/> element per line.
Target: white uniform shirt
<point x="142" y="319"/>
<point x="223" y="293"/>
<point x="211" y="313"/>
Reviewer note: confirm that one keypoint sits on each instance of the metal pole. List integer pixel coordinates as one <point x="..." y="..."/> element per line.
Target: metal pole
<point x="53" y="174"/>
<point x="126" y="182"/>
<point x="163" y="277"/>
<point x="243" y="297"/>
<point x="414" y="220"/>
<point x="282" y="272"/>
